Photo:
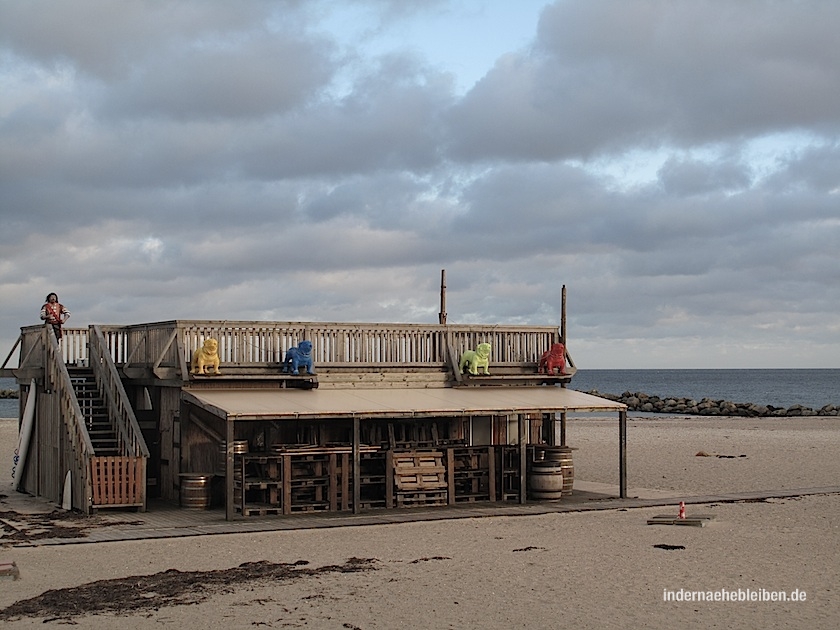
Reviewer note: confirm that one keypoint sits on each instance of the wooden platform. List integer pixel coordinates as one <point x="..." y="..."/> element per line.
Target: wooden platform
<point x="244" y="380"/>
<point x="165" y="520"/>
<point x="514" y="376"/>
<point x="695" y="520"/>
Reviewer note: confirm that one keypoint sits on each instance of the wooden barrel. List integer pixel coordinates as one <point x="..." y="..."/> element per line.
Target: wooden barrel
<point x="563" y="454"/>
<point x="195" y="491"/>
<point x="545" y="479"/>
<point x="239" y="447"/>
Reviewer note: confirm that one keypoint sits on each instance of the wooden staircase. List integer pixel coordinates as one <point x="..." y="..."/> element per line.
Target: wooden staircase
<point x="99" y="425"/>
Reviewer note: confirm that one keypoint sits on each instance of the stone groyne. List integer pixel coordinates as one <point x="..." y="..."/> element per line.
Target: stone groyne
<point x="639" y="401"/>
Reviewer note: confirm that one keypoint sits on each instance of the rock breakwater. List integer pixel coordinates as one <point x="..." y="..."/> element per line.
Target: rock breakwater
<point x="639" y="401"/>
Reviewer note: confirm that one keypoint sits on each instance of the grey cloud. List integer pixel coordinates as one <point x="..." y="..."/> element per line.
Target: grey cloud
<point x="106" y="39"/>
<point x="609" y="74"/>
<point x="816" y="169"/>
<point x="685" y="177"/>
<point x="263" y="75"/>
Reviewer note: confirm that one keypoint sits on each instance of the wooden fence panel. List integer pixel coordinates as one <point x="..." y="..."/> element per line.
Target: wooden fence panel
<point x="117" y="481"/>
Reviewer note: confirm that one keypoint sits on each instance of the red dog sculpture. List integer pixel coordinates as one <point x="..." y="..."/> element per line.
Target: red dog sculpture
<point x="553" y="358"/>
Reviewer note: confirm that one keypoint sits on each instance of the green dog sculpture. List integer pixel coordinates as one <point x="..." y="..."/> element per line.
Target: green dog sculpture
<point x="475" y="359"/>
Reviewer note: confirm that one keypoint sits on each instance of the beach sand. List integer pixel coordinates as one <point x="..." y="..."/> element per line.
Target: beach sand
<point x="598" y="569"/>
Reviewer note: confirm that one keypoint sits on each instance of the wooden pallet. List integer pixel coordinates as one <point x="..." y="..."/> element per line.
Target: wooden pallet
<point x="419" y="478"/>
<point x="422" y="499"/>
<point x="260" y="510"/>
<point x="471" y="474"/>
<point x="419" y="470"/>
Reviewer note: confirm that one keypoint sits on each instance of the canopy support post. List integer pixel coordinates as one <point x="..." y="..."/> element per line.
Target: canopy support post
<point x="622" y="454"/>
<point x="357" y="466"/>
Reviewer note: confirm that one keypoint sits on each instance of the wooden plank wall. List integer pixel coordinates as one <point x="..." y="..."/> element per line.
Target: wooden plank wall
<point x="170" y="409"/>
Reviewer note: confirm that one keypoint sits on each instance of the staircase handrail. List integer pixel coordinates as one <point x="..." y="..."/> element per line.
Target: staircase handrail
<point x="108" y="380"/>
<point x="57" y="378"/>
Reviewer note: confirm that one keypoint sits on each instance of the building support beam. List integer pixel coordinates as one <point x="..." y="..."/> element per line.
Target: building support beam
<point x="230" y="509"/>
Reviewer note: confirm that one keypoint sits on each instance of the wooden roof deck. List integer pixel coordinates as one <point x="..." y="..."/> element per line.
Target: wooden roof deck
<point x="295" y="404"/>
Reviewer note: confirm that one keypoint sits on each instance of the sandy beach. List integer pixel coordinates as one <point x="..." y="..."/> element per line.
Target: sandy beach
<point x="602" y="569"/>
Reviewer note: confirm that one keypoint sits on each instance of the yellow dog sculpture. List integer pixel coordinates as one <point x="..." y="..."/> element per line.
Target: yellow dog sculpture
<point x="207" y="356"/>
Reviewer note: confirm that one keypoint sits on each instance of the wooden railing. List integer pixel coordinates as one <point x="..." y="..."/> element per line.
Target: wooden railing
<point x="72" y="349"/>
<point x="119" y="408"/>
<point x="170" y="344"/>
<point x="80" y="449"/>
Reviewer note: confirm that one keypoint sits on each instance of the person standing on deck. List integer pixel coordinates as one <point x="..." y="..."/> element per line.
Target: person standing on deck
<point x="54" y="314"/>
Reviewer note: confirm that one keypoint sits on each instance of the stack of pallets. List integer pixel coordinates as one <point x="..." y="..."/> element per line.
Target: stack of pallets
<point x="419" y="478"/>
<point x="472" y="473"/>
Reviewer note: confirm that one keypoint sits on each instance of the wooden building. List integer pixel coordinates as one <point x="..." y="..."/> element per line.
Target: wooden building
<point x="387" y="420"/>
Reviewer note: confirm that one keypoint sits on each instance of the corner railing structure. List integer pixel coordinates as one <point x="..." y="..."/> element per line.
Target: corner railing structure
<point x="163" y="350"/>
<point x="95" y="481"/>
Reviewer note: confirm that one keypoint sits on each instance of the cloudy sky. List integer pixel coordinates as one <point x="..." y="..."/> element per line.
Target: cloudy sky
<point x="674" y="163"/>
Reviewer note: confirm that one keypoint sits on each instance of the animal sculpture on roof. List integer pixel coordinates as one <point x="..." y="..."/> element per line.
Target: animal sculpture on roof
<point x="299" y="356"/>
<point x="554" y="357"/>
<point x="207" y="356"/>
<point x="473" y="360"/>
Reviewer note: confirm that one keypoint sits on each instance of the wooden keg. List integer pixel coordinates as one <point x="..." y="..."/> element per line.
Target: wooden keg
<point x="239" y="447"/>
<point x="545" y="479"/>
<point x="195" y="491"/>
<point x="563" y="455"/>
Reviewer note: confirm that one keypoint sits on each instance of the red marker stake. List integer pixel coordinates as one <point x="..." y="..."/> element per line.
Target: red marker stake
<point x="682" y="509"/>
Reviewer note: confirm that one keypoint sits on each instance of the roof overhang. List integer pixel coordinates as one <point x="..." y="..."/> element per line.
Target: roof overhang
<point x="312" y="404"/>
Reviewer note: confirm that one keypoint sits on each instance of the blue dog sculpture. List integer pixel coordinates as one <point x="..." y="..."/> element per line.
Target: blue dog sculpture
<point x="297" y="357"/>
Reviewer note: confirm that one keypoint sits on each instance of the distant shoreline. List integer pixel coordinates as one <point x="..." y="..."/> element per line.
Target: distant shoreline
<point x="639" y="401"/>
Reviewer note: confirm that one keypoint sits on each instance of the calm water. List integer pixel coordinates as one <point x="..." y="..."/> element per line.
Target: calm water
<point x="813" y="388"/>
<point x="8" y="406"/>
<point x="780" y="388"/>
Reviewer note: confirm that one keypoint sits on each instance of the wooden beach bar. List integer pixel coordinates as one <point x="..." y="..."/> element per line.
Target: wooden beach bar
<point x="388" y="418"/>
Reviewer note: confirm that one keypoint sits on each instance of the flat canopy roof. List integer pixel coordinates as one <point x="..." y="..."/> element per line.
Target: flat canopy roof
<point x="309" y="404"/>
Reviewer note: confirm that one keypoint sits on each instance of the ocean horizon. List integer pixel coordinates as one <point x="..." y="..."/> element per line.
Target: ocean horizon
<point x="809" y="387"/>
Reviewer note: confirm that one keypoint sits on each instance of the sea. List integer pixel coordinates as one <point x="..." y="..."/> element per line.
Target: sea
<point x="812" y="388"/>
